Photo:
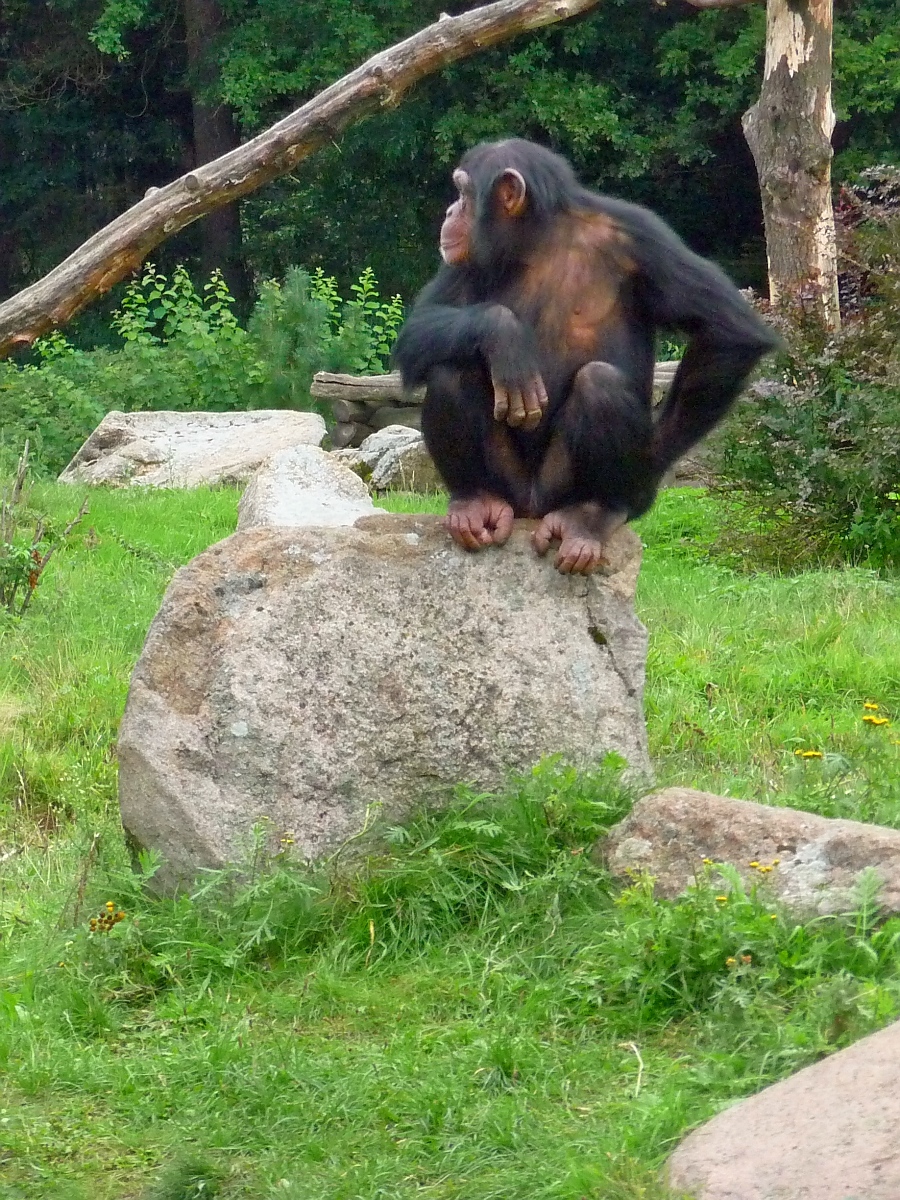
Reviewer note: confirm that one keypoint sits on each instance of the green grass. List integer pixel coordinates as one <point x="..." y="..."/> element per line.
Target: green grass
<point x="477" y="1014"/>
<point x="746" y="669"/>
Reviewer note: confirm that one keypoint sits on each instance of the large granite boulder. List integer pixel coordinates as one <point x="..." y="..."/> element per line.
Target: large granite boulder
<point x="188" y="449"/>
<point x="830" y="1132"/>
<point x="304" y="676"/>
<point x="811" y="864"/>
<point x="304" y="486"/>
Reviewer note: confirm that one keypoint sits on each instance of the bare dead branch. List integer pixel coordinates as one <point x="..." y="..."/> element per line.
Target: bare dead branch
<point x="121" y="246"/>
<point x="40" y="563"/>
<point x="21" y="475"/>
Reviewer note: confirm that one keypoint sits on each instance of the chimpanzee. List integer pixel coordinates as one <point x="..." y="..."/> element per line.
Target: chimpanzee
<point x="536" y="340"/>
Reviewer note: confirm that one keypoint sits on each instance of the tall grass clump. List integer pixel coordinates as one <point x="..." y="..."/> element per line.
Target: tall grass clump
<point x="408" y="889"/>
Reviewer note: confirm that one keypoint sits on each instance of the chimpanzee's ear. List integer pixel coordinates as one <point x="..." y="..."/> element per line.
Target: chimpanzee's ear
<point x="511" y="193"/>
<point x="462" y="181"/>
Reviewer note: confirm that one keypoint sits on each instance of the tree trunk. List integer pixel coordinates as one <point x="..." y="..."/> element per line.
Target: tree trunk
<point x="789" y="134"/>
<point x="7" y="260"/>
<point x="214" y="135"/>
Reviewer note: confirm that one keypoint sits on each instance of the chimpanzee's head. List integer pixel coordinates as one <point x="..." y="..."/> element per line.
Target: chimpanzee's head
<point x="507" y="192"/>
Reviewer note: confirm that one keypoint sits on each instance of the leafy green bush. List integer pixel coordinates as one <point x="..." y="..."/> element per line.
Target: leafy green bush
<point x="184" y="350"/>
<point x="303" y="326"/>
<point x="40" y="403"/>
<point x="815" y="453"/>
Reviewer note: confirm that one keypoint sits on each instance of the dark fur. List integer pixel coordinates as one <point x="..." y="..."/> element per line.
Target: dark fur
<point x="622" y="276"/>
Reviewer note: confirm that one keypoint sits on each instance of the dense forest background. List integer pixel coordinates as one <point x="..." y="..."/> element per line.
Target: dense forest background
<point x="99" y="101"/>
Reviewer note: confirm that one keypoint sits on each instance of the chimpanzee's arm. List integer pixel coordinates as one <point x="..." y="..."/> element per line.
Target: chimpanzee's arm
<point x="726" y="338"/>
<point x="446" y="327"/>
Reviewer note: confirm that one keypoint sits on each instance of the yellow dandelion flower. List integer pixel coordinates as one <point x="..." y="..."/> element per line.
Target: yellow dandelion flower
<point x="707" y="862"/>
<point x="722" y="899"/>
<point x="753" y="864"/>
<point x="870" y="707"/>
<point x="776" y="862"/>
<point x="876" y="720"/>
<point x="729" y="962"/>
<point x="773" y="916"/>
<point x="809" y="753"/>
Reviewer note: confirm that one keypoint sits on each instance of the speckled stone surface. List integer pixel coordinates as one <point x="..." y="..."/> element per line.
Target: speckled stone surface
<point x="810" y="864"/>
<point x="830" y="1132"/>
<point x="303" y="676"/>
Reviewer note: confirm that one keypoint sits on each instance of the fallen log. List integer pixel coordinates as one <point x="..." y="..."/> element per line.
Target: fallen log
<point x="388" y="389"/>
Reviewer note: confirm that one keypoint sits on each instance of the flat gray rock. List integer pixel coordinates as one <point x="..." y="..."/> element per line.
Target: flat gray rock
<point x="830" y="1132"/>
<point x="188" y="449"/>
<point x="811" y="863"/>
<point x="301" y="677"/>
<point x="304" y="486"/>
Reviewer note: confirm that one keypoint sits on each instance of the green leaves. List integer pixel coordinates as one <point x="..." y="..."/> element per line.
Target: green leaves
<point x="118" y="18"/>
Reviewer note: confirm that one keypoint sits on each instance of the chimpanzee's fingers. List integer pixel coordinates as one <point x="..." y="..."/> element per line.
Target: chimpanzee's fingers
<point x="589" y="559"/>
<point x="516" y="415"/>
<point x="501" y="517"/>
<point x="533" y="409"/>
<point x="579" y="558"/>
<point x="542" y="537"/>
<point x="567" y="558"/>
<point x="543" y="399"/>
<point x="460" y="526"/>
<point x="501" y="402"/>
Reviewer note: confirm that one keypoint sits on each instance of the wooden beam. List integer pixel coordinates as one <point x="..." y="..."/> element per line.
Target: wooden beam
<point x="388" y="389"/>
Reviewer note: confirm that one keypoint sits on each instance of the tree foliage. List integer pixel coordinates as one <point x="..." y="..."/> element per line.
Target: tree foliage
<point x="95" y="103"/>
<point x="181" y="348"/>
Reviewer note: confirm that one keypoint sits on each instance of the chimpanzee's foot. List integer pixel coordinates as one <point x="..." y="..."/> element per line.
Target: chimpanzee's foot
<point x="582" y="532"/>
<point x="483" y="520"/>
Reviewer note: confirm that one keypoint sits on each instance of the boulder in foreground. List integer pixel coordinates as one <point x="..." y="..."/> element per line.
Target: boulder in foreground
<point x="830" y="1132"/>
<point x="302" y="676"/>
<point x="811" y="863"/>
<point x="188" y="449"/>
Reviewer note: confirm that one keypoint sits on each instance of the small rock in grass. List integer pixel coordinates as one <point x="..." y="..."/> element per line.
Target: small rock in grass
<point x="394" y="459"/>
<point x="811" y="864"/>
<point x="830" y="1132"/>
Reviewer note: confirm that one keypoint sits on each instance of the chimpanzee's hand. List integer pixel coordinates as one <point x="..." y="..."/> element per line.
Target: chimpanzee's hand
<point x="519" y="404"/>
<point x="520" y="397"/>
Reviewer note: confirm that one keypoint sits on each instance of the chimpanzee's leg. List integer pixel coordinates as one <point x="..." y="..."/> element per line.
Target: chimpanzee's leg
<point x="597" y="472"/>
<point x="473" y="455"/>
